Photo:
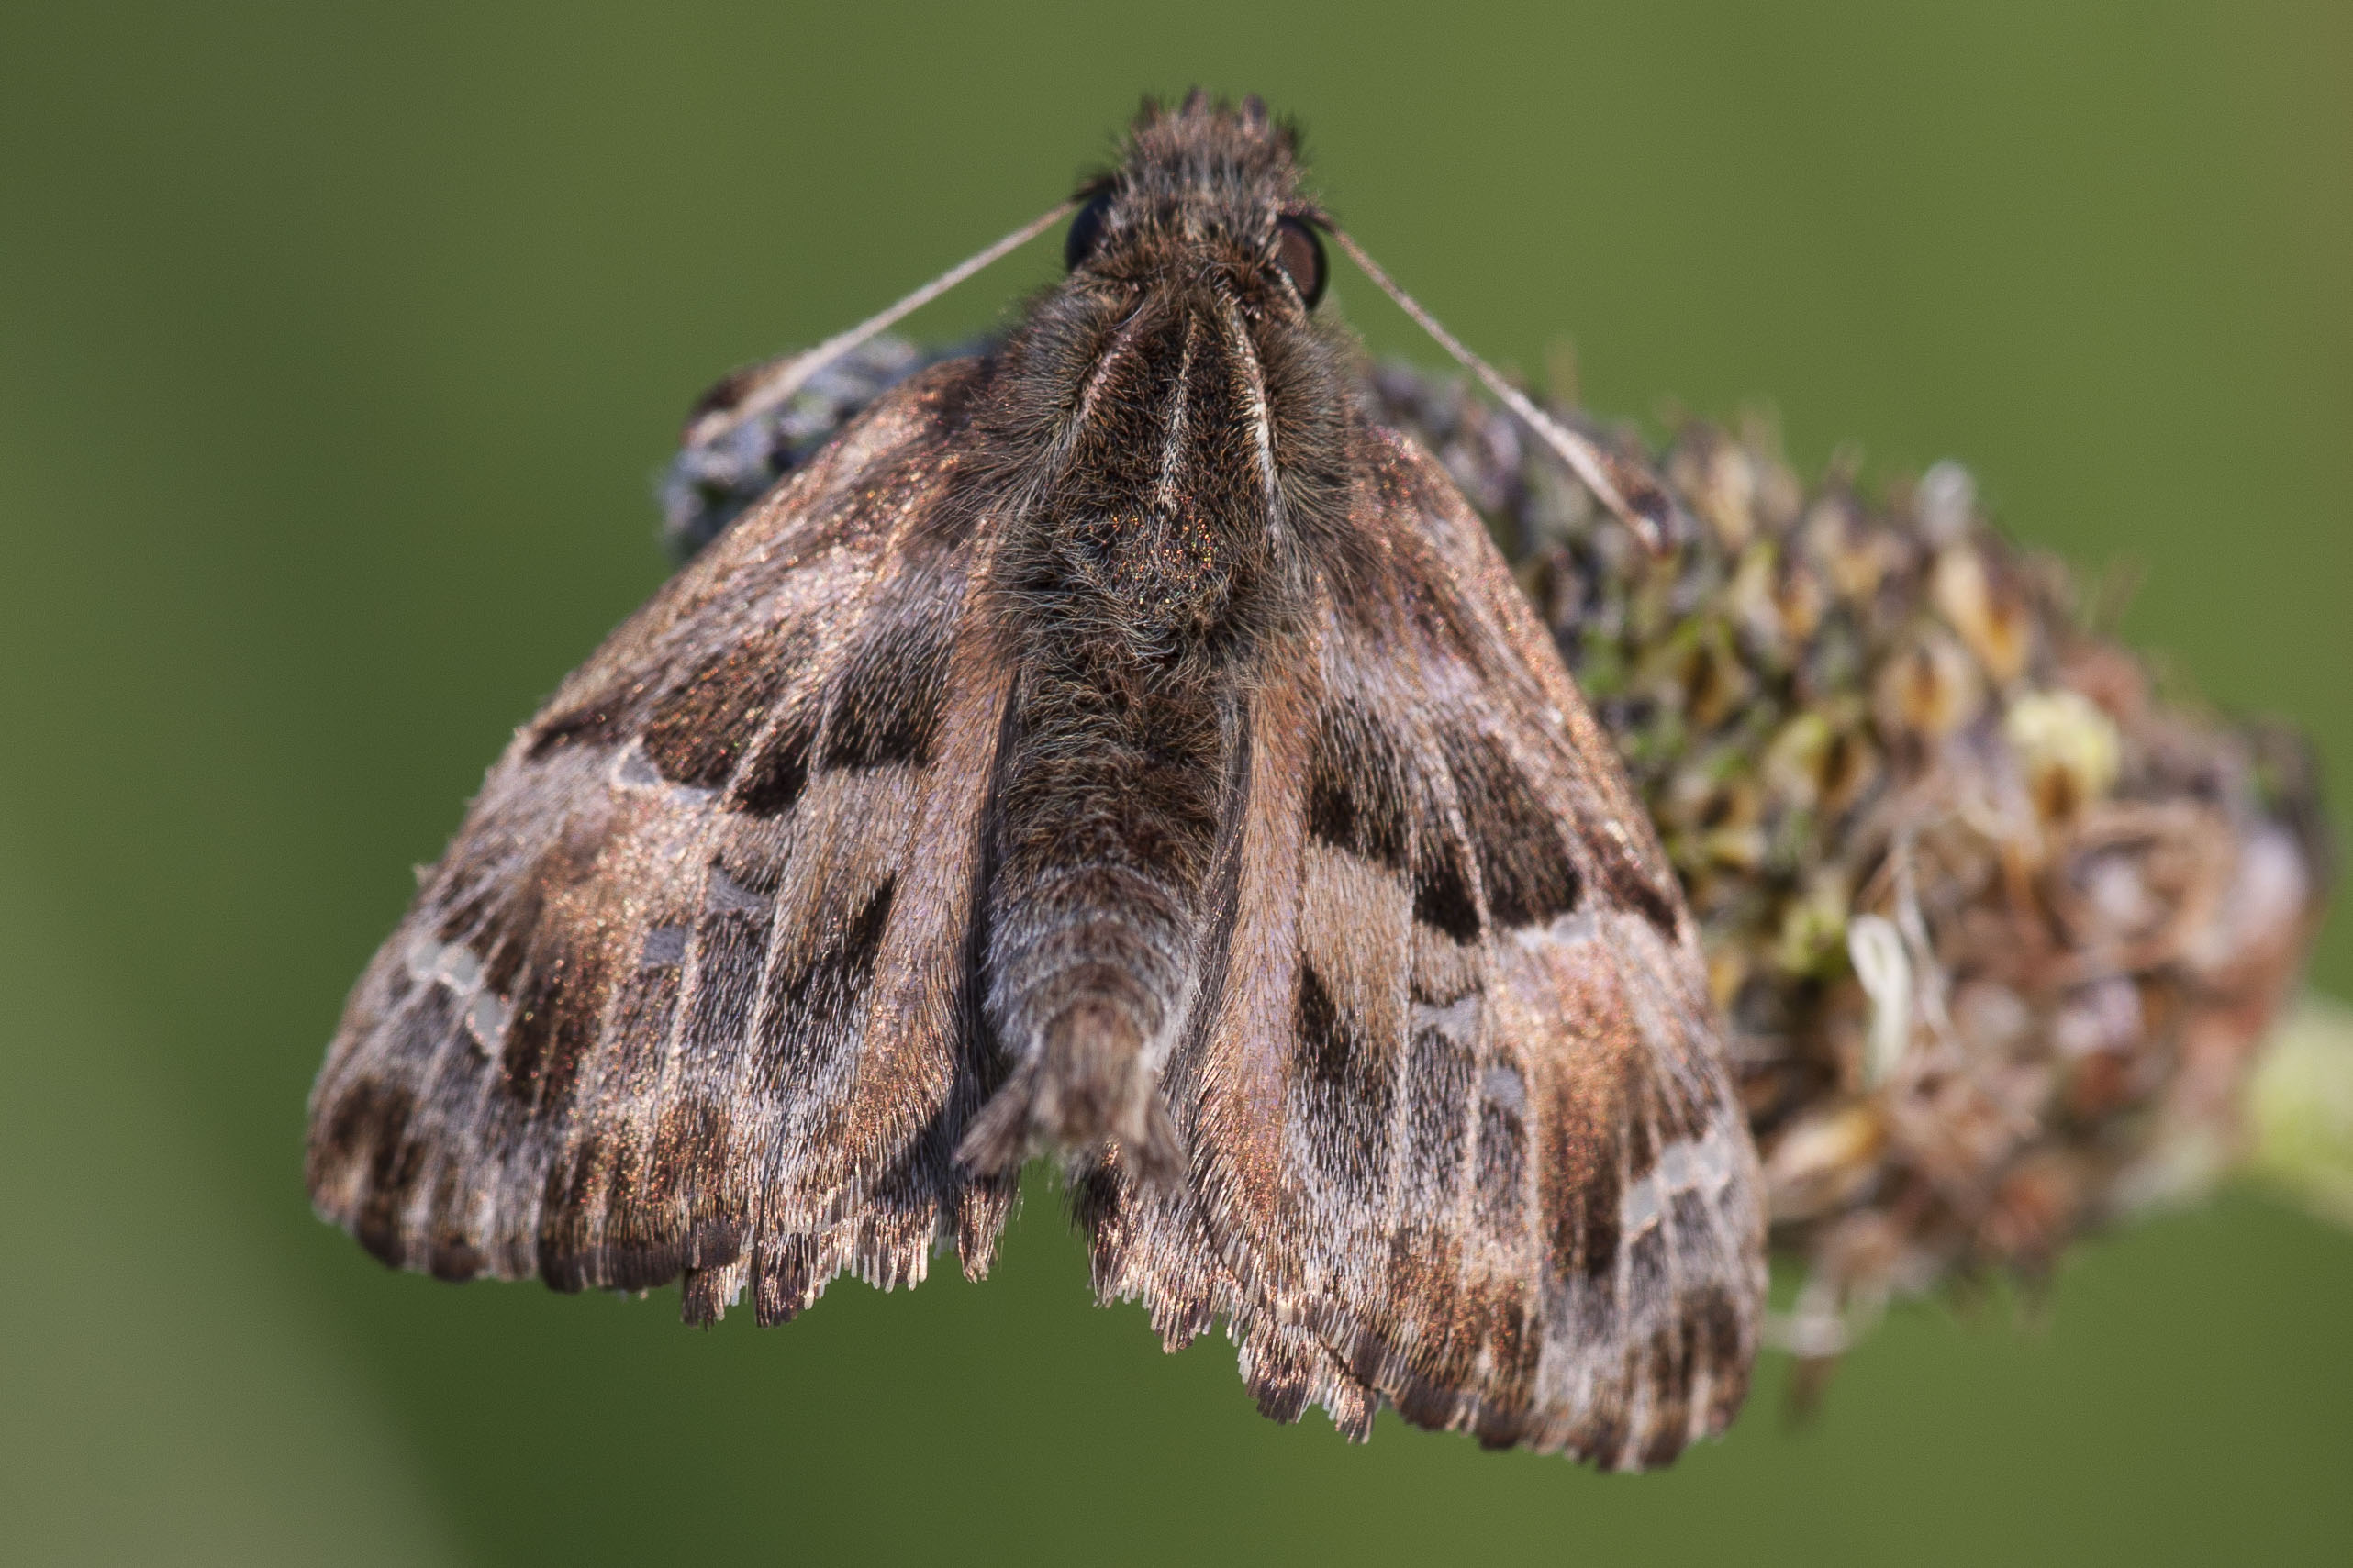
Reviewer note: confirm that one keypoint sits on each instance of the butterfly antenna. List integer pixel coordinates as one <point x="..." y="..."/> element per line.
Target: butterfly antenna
<point x="776" y="380"/>
<point x="1634" y="496"/>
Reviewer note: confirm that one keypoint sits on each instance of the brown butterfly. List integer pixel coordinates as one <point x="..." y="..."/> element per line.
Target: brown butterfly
<point x="1116" y="745"/>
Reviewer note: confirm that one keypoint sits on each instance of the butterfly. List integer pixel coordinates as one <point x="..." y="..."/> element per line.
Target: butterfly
<point x="1116" y="746"/>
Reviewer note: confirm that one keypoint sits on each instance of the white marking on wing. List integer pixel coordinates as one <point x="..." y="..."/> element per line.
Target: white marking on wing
<point x="1702" y="1165"/>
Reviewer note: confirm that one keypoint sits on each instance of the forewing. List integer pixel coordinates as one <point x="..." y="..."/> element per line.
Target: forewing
<point x="690" y="993"/>
<point x="1463" y="1138"/>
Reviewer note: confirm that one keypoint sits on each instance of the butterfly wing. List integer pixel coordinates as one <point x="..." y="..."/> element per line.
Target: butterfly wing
<point x="1462" y="1134"/>
<point x="689" y="994"/>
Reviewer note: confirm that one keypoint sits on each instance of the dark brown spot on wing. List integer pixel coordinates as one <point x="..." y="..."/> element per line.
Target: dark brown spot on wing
<point x="450" y="1256"/>
<point x="573" y="1196"/>
<point x="1496" y="1308"/>
<point x="692" y="1172"/>
<point x="1629" y="886"/>
<point x="499" y="920"/>
<point x="699" y="732"/>
<point x="702" y="1299"/>
<point x="1423" y="1284"/>
<point x="1324" y="1046"/>
<point x="577" y="1028"/>
<point x="751" y="856"/>
<point x="886" y="701"/>
<point x="1653" y="1111"/>
<point x="1602" y="1434"/>
<point x="1593" y="1228"/>
<point x="1581" y="1174"/>
<point x="667" y="1208"/>
<point x="369" y="1126"/>
<point x="784" y="1268"/>
<point x="527" y="1036"/>
<point x="1674" y="1356"/>
<point x="554" y="1026"/>
<point x="1438" y="1089"/>
<point x="1345" y="1088"/>
<point x="1356" y="791"/>
<point x="1584" y="1200"/>
<point x="1667" y="1367"/>
<point x="1277" y="1384"/>
<point x="772" y="785"/>
<point x="1686" y="1214"/>
<point x="1641" y="1149"/>
<point x="605" y="717"/>
<point x="1646" y="1265"/>
<point x="1442" y="891"/>
<point x="1721" y="1343"/>
<point x="1523" y="864"/>
<point x="731" y="947"/>
<point x="811" y="1007"/>
<point x="1331" y="809"/>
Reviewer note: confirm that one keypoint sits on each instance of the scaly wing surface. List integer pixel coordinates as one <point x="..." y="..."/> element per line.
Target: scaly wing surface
<point x="1462" y="1136"/>
<point x="691" y="992"/>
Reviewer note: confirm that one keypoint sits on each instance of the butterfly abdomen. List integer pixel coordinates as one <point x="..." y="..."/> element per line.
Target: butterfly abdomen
<point x="1104" y="847"/>
<point x="1145" y="583"/>
<point x="1111" y="794"/>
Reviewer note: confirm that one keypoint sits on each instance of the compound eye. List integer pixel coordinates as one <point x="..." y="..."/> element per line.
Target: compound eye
<point x="1298" y="250"/>
<point x="1086" y="231"/>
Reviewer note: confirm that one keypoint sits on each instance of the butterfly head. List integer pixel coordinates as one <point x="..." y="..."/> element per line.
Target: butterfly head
<point x="1175" y="396"/>
<point x="1205" y="192"/>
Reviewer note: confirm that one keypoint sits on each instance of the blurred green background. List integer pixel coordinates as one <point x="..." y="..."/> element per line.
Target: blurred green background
<point x="337" y="349"/>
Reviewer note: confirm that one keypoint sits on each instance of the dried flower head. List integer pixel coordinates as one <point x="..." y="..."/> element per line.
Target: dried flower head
<point x="1999" y="931"/>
